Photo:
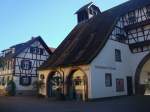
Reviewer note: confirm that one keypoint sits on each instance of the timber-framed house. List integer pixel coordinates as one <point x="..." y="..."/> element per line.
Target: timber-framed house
<point x="107" y="54"/>
<point x="20" y="63"/>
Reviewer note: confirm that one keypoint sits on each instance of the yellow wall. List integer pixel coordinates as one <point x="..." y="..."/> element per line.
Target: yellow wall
<point x="66" y="71"/>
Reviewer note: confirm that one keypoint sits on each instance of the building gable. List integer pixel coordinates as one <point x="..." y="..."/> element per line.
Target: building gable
<point x="87" y="39"/>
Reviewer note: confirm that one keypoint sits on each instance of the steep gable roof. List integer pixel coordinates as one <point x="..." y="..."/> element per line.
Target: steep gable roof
<point x="22" y="46"/>
<point x="87" y="39"/>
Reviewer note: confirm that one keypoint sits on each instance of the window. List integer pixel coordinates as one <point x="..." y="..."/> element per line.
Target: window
<point x="117" y="55"/>
<point x="148" y="11"/>
<point x="119" y="85"/>
<point x="78" y="81"/>
<point x="131" y="17"/>
<point x="36" y="50"/>
<point x="25" y="80"/>
<point x="108" y="80"/>
<point x="26" y="64"/>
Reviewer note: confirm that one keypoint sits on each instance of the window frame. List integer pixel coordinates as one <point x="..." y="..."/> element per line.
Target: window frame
<point x="36" y="50"/>
<point x="118" y="55"/>
<point x="108" y="80"/>
<point x="24" y="64"/>
<point x="23" y="78"/>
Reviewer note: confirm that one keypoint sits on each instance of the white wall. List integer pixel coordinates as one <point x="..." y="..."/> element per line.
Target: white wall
<point x="24" y="88"/>
<point x="36" y="60"/>
<point x="105" y="63"/>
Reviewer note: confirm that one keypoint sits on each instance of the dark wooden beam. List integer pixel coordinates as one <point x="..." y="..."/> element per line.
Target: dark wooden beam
<point x="139" y="44"/>
<point x="136" y="25"/>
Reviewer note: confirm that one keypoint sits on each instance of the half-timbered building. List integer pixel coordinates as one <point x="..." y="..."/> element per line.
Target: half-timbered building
<point x="20" y="63"/>
<point x="107" y="54"/>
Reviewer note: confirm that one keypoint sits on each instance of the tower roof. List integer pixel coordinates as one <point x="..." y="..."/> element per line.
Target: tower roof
<point x="85" y="7"/>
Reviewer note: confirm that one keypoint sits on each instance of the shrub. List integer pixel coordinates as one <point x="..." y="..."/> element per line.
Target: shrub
<point x="11" y="88"/>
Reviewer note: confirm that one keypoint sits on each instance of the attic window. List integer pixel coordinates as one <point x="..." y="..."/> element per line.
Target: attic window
<point x="148" y="11"/>
<point x="131" y="17"/>
<point x="36" y="50"/>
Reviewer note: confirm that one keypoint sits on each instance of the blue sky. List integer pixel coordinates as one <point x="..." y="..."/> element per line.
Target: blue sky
<point x="51" y="19"/>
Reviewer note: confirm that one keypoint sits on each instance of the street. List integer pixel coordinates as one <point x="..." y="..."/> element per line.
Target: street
<point x="33" y="104"/>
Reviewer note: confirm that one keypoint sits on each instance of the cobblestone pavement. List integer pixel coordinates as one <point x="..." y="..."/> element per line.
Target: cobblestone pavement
<point x="33" y="104"/>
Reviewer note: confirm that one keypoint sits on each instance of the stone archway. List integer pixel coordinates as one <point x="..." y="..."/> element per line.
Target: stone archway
<point x="142" y="75"/>
<point x="54" y="84"/>
<point x="77" y="85"/>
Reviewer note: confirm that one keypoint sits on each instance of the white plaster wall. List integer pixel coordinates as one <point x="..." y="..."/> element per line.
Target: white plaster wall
<point x="36" y="60"/>
<point x="26" y="88"/>
<point x="105" y="63"/>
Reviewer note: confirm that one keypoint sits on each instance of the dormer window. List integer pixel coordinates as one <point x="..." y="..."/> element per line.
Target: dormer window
<point x="131" y="17"/>
<point x="148" y="11"/>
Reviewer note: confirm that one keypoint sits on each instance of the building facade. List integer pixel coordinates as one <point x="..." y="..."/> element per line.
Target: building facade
<point x="20" y="63"/>
<point x="105" y="55"/>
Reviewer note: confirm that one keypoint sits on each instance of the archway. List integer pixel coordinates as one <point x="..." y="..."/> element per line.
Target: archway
<point x="77" y="85"/>
<point x="54" y="84"/>
<point x="142" y="76"/>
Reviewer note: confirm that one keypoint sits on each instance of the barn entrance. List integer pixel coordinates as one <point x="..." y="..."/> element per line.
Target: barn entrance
<point x="77" y="85"/>
<point x="142" y="77"/>
<point x="54" y="85"/>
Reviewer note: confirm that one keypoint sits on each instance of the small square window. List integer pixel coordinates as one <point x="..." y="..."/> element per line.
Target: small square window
<point x="117" y="55"/>
<point x="108" y="80"/>
<point x="36" y="50"/>
<point x="119" y="85"/>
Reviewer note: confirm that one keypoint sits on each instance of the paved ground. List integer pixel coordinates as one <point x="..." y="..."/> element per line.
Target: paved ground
<point x="30" y="104"/>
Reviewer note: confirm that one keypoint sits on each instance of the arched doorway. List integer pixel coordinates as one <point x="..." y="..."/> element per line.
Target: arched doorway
<point x="77" y="85"/>
<point x="142" y="77"/>
<point x="54" y="84"/>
